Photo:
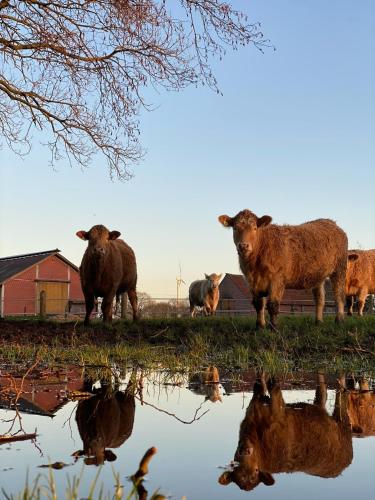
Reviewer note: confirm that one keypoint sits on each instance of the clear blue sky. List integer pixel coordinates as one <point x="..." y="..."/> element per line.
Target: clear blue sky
<point x="292" y="137"/>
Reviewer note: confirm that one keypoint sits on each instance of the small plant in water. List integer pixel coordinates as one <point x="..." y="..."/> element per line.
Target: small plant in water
<point x="44" y="486"/>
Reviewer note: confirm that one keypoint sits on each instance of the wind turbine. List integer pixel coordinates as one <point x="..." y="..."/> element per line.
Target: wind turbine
<point x="179" y="282"/>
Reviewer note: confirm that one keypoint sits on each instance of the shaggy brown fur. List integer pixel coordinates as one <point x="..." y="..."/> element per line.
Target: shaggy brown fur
<point x="360" y="278"/>
<point x="104" y="421"/>
<point x="205" y="293"/>
<point x="300" y="437"/>
<point x="274" y="257"/>
<point x="108" y="269"/>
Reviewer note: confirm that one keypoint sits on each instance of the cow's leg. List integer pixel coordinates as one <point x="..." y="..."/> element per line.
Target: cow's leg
<point x="319" y="297"/>
<point x="362" y="300"/>
<point x="207" y="309"/>
<point x="260" y="305"/>
<point x="338" y="286"/>
<point x="192" y="310"/>
<point x="277" y="400"/>
<point x="363" y="384"/>
<point x="260" y="385"/>
<point x="107" y="307"/>
<point x="89" y="302"/>
<point x="340" y="412"/>
<point x="349" y="304"/>
<point x="133" y="299"/>
<point x="273" y="304"/>
<point x="321" y="391"/>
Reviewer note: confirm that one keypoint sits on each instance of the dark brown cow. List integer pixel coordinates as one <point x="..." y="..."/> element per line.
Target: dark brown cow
<point x="360" y="278"/>
<point x="274" y="257"/>
<point x="104" y="421"/>
<point x="300" y="437"/>
<point x="108" y="269"/>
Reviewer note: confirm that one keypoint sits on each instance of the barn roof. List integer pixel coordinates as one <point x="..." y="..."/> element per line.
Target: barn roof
<point x="10" y="266"/>
<point x="239" y="281"/>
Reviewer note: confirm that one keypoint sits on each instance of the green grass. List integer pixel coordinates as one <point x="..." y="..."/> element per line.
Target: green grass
<point x="177" y="343"/>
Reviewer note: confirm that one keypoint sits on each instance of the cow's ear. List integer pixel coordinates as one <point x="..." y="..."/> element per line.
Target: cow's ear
<point x="109" y="455"/>
<point x="113" y="235"/>
<point x="225" y="220"/>
<point x="78" y="453"/>
<point x="353" y="256"/>
<point x="266" y="478"/>
<point x="264" y="221"/>
<point x="225" y="478"/>
<point x="219" y="277"/>
<point x="206" y="276"/>
<point x="82" y="234"/>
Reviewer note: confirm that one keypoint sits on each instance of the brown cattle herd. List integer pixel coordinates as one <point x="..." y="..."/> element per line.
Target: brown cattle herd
<point x="278" y="437"/>
<point x="274" y="436"/>
<point x="272" y="258"/>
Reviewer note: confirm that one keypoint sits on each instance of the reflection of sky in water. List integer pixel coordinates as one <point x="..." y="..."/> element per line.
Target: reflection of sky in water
<point x="188" y="455"/>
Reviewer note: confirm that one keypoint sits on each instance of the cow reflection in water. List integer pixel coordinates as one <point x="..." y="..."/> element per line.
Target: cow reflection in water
<point x="207" y="383"/>
<point x="300" y="437"/>
<point x="361" y="405"/>
<point x="105" y="421"/>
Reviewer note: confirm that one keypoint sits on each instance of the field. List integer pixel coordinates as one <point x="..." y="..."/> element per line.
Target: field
<point x="179" y="343"/>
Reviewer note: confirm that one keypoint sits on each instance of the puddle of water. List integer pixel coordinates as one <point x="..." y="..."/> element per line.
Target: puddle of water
<point x="195" y="427"/>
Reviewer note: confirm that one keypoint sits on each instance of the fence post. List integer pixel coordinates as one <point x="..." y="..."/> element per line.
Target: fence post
<point x="42" y="304"/>
<point x="124" y="305"/>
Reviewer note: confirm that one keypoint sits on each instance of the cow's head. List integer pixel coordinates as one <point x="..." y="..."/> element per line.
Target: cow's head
<point x="246" y="474"/>
<point x="245" y="227"/>
<point x="213" y="279"/>
<point x="95" y="454"/>
<point x="98" y="238"/>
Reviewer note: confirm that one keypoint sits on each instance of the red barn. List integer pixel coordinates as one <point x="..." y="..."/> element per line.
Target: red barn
<point x="23" y="277"/>
<point x="235" y="298"/>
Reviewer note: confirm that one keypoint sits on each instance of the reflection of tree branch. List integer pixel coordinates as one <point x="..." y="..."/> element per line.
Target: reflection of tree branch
<point x="13" y="393"/>
<point x="194" y="419"/>
<point x="68" y="420"/>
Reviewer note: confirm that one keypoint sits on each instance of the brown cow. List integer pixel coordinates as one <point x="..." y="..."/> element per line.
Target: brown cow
<point x="360" y="278"/>
<point x="300" y="437"/>
<point x="104" y="421"/>
<point x="361" y="406"/>
<point x="108" y="269"/>
<point x="205" y="293"/>
<point x="274" y="257"/>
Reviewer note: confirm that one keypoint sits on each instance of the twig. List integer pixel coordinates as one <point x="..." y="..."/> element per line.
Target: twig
<point x="194" y="419"/>
<point x="22" y="437"/>
<point x="159" y="333"/>
<point x="357" y="350"/>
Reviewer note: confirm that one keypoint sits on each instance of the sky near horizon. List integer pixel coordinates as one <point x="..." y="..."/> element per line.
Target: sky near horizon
<point x="293" y="137"/>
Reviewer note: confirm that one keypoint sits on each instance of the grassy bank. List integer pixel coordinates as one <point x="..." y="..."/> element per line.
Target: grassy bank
<point x="234" y="342"/>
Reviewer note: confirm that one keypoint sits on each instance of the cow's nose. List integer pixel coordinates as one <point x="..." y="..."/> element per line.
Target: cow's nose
<point x="99" y="250"/>
<point x="243" y="247"/>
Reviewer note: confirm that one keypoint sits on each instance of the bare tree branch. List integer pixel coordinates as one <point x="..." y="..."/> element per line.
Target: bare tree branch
<point x="77" y="70"/>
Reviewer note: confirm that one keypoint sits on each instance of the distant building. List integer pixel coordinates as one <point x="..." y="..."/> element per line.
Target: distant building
<point x="23" y="277"/>
<point x="235" y="298"/>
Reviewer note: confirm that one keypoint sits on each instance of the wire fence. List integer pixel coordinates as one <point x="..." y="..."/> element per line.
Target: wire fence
<point x="155" y="307"/>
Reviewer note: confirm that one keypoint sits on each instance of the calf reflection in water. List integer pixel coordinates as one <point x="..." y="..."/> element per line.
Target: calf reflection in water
<point x="207" y="383"/>
<point x="300" y="437"/>
<point x="105" y="421"/>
